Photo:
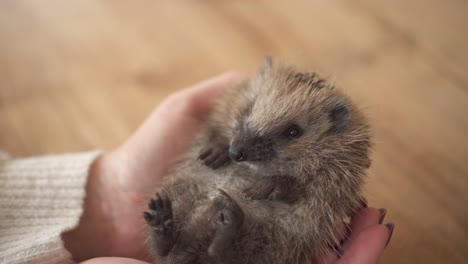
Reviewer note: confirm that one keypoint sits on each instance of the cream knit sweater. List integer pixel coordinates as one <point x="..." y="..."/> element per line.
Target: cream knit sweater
<point x="40" y="198"/>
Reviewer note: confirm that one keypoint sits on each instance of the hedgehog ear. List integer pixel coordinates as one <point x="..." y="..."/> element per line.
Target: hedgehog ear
<point x="339" y="117"/>
<point x="266" y="65"/>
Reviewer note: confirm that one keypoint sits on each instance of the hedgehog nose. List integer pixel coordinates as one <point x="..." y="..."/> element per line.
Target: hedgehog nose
<point x="237" y="154"/>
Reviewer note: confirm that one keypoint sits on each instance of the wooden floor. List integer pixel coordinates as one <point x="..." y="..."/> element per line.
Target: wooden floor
<point x="79" y="75"/>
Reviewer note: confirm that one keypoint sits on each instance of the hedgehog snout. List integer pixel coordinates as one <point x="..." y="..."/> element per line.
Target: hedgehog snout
<point x="252" y="149"/>
<point x="237" y="154"/>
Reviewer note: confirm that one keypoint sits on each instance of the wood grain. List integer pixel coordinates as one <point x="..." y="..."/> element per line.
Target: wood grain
<point x="79" y="75"/>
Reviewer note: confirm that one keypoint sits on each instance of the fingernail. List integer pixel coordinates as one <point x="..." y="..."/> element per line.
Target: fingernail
<point x="383" y="212"/>
<point x="363" y="202"/>
<point x="390" y="227"/>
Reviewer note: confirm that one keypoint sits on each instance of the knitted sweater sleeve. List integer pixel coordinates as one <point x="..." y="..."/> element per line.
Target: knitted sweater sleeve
<point x="40" y="198"/>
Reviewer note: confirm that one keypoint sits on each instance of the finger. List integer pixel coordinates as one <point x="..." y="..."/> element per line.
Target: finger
<point x="367" y="247"/>
<point x="365" y="218"/>
<point x="175" y="121"/>
<point x="111" y="260"/>
<point x="197" y="100"/>
<point x="203" y="94"/>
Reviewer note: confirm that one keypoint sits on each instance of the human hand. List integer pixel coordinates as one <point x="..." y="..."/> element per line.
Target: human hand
<point x="121" y="182"/>
<point x="367" y="240"/>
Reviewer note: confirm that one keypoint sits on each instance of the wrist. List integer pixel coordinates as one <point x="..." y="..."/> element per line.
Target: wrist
<point x="94" y="233"/>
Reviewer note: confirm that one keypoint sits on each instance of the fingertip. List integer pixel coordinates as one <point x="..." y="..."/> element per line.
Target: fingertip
<point x="383" y="213"/>
<point x="368" y="246"/>
<point x="232" y="76"/>
<point x="203" y="94"/>
<point x="365" y="218"/>
<point x="219" y="82"/>
<point x="390" y="226"/>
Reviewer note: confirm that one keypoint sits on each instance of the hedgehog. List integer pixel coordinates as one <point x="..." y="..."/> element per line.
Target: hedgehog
<point x="272" y="177"/>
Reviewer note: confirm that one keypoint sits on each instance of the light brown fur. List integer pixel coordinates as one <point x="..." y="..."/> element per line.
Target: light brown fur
<point x="293" y="193"/>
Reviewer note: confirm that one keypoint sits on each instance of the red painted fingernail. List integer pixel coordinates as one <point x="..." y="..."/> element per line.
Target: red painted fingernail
<point x="383" y="212"/>
<point x="390" y="227"/>
<point x="363" y="202"/>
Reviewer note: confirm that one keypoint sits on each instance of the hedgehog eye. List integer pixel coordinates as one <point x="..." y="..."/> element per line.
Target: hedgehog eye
<point x="293" y="131"/>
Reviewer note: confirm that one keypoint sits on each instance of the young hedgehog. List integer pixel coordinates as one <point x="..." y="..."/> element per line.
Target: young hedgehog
<point x="271" y="178"/>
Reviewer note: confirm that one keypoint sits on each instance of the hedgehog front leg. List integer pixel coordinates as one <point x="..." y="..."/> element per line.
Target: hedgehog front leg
<point x="161" y="221"/>
<point x="280" y="188"/>
<point x="261" y="189"/>
<point x="216" y="152"/>
<point x="215" y="155"/>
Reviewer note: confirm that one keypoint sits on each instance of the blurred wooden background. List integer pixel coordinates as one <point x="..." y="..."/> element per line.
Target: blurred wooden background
<point x="79" y="75"/>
